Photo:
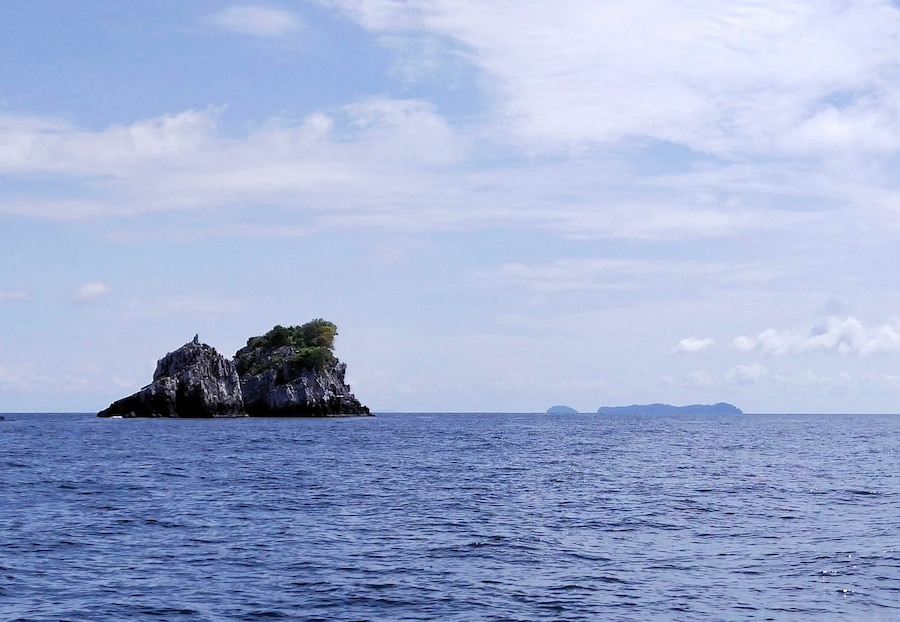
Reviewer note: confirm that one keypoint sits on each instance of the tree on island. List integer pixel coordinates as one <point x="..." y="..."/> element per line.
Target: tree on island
<point x="311" y="346"/>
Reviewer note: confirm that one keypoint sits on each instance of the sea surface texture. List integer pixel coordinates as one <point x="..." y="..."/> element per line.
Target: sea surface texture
<point x="450" y="517"/>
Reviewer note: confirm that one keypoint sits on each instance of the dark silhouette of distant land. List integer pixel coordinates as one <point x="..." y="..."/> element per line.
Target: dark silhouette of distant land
<point x="561" y="410"/>
<point x="721" y="408"/>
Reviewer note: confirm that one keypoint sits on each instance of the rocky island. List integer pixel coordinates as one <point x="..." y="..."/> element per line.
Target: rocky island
<point x="288" y="372"/>
<point x="292" y="372"/>
<point x="192" y="381"/>
<point x="721" y="408"/>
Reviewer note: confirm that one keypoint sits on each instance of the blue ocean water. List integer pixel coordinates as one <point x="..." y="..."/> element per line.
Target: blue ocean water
<point x="450" y="517"/>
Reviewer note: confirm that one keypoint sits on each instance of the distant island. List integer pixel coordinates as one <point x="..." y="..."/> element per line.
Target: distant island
<point x="561" y="410"/>
<point x="721" y="408"/>
<point x="288" y="372"/>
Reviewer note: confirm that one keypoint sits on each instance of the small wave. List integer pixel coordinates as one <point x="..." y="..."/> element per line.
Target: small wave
<point x="264" y="615"/>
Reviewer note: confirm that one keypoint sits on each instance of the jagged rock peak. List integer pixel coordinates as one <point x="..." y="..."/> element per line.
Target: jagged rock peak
<point x="192" y="381"/>
<point x="292" y="371"/>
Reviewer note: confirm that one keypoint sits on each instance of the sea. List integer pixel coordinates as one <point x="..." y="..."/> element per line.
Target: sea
<point x="450" y="517"/>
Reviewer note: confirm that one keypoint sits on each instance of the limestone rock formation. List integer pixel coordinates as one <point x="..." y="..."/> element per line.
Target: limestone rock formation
<point x="288" y="372"/>
<point x="292" y="372"/>
<point x="192" y="381"/>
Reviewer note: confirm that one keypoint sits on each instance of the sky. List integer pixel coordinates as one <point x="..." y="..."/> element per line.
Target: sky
<point x="503" y="205"/>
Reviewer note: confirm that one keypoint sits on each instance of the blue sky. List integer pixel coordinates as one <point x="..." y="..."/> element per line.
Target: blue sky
<point x="502" y="205"/>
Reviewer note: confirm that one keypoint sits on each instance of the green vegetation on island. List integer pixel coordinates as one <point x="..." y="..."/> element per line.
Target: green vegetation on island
<point x="292" y="371"/>
<point x="306" y="347"/>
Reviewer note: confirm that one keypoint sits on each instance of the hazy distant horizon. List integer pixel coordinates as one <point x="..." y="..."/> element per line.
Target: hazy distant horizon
<point x="500" y="412"/>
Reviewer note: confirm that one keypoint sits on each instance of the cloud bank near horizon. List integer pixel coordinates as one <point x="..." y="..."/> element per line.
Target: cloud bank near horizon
<point x="835" y="335"/>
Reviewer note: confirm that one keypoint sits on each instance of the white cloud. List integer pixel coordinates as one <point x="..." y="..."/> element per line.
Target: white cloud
<point x="412" y="127"/>
<point x="741" y="80"/>
<point x="383" y="155"/>
<point x="393" y="251"/>
<point x="6" y="295"/>
<point x="699" y="378"/>
<point x="841" y="335"/>
<point x="869" y="126"/>
<point x="116" y="152"/>
<point x="716" y="77"/>
<point x="396" y="164"/>
<point x="199" y="305"/>
<point x="90" y="291"/>
<point x="747" y="373"/>
<point x="619" y="274"/>
<point x="256" y="21"/>
<point x="744" y="344"/>
<point x="694" y="344"/>
<point x="381" y="14"/>
<point x="26" y="376"/>
<point x="803" y="378"/>
<point x="384" y="163"/>
<point x="18" y="376"/>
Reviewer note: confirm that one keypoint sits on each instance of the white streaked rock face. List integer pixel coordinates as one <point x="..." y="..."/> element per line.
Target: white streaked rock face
<point x="192" y="381"/>
<point x="283" y="389"/>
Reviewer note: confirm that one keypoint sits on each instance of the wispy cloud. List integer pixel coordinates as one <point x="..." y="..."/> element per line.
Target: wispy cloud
<point x="394" y="164"/>
<point x="91" y="291"/>
<point x="200" y="305"/>
<point x="256" y="21"/>
<point x="717" y="77"/>
<point x="383" y="157"/>
<point x="764" y="100"/>
<point x="382" y="14"/>
<point x="757" y="97"/>
<point x="6" y="295"/>
<point x="746" y="374"/>
<point x="618" y="274"/>
<point x="19" y="376"/>
<point x="699" y="378"/>
<point x="26" y="376"/>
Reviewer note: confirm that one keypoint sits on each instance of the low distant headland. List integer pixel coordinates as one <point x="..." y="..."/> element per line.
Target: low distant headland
<point x="720" y="408"/>
<point x="288" y="372"/>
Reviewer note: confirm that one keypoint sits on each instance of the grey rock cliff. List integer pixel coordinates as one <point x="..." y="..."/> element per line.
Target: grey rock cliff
<point x="278" y="386"/>
<point x="292" y="372"/>
<point x="192" y="381"/>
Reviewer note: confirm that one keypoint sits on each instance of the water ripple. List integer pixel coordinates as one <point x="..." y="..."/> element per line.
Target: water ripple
<point x="453" y="517"/>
